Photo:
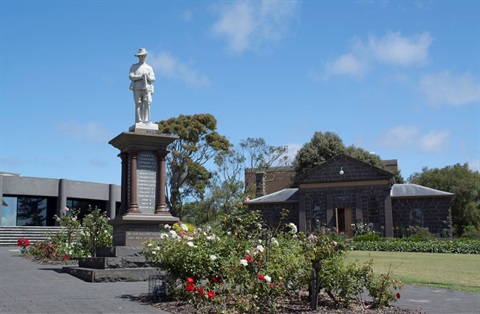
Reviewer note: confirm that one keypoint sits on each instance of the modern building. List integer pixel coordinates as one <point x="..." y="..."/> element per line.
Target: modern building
<point x="345" y="191"/>
<point x="29" y="201"/>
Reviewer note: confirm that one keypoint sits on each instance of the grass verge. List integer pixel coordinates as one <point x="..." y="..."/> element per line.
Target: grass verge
<point x="441" y="270"/>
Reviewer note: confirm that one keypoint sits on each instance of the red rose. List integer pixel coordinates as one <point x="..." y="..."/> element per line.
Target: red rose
<point x="272" y="285"/>
<point x="190" y="280"/>
<point x="248" y="258"/>
<point x="211" y="294"/>
<point x="214" y="279"/>
<point x="200" y="291"/>
<point x="220" y="280"/>
<point x="65" y="256"/>
<point x="398" y="295"/>
<point x="261" y="277"/>
<point x="190" y="287"/>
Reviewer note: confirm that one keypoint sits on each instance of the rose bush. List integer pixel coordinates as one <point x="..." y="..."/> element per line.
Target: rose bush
<point x="241" y="266"/>
<point x="76" y="239"/>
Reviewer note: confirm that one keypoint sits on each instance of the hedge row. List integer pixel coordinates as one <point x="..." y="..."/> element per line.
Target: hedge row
<point x="431" y="246"/>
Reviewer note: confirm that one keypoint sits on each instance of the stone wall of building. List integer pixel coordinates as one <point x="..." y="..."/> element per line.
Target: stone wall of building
<point x="366" y="202"/>
<point x="272" y="213"/>
<point x="344" y="168"/>
<point x="431" y="213"/>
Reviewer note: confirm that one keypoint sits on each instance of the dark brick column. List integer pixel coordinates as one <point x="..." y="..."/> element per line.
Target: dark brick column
<point x="133" y="207"/>
<point x="162" y="176"/>
<point x="124" y="187"/>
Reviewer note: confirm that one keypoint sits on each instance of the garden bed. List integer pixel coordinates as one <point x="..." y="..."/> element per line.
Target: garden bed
<point x="293" y="306"/>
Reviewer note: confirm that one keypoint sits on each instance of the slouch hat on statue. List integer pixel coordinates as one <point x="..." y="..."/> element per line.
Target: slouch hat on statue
<point x="141" y="52"/>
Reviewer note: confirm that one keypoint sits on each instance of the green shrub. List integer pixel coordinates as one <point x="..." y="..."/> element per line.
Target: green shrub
<point x="368" y="237"/>
<point x="461" y="246"/>
<point x="243" y="267"/>
<point x="418" y="234"/>
<point x="471" y="232"/>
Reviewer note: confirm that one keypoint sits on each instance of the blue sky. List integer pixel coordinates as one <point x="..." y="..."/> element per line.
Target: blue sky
<point x="398" y="78"/>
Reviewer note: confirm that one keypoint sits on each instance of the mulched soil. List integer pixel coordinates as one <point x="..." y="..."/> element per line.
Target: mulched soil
<point x="290" y="307"/>
<point x="47" y="261"/>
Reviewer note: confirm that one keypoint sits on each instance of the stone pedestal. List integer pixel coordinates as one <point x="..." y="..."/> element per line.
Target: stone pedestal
<point x="134" y="229"/>
<point x="143" y="209"/>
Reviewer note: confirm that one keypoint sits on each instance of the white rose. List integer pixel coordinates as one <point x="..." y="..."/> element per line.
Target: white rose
<point x="267" y="278"/>
<point x="274" y="241"/>
<point x="293" y="227"/>
<point x="243" y="262"/>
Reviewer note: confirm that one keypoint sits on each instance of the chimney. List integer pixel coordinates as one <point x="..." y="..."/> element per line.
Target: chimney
<point x="260" y="183"/>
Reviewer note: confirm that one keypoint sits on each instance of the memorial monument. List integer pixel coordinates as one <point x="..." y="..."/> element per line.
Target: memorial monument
<point x="143" y="209"/>
<point x="142" y="150"/>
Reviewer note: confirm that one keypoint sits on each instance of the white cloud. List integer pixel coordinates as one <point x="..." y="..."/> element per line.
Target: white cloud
<point x="247" y="25"/>
<point x="168" y="66"/>
<point x="411" y="137"/>
<point x="91" y="132"/>
<point x="446" y="88"/>
<point x="391" y="49"/>
<point x="400" y="136"/>
<point x="433" y="141"/>
<point x="395" y="49"/>
<point x="348" y="64"/>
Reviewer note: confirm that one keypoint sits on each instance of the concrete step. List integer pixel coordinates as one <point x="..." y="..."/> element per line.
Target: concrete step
<point x="10" y="235"/>
<point x="111" y="275"/>
<point x="113" y="262"/>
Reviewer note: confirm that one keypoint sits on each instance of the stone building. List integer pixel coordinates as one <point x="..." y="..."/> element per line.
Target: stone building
<point x="345" y="191"/>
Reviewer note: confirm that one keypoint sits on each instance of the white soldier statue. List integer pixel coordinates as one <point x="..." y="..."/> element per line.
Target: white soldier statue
<point x="142" y="77"/>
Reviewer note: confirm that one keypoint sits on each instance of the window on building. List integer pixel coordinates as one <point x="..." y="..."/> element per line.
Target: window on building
<point x="416" y="217"/>
<point x="9" y="211"/>
<point x="84" y="206"/>
<point x="31" y="211"/>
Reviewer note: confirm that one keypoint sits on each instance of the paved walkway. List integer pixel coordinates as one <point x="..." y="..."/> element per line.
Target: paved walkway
<point x="27" y="287"/>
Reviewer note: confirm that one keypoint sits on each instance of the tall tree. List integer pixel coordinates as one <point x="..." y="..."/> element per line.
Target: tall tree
<point x="227" y="183"/>
<point x="324" y="146"/>
<point x="198" y="143"/>
<point x="320" y="148"/>
<point x="461" y="181"/>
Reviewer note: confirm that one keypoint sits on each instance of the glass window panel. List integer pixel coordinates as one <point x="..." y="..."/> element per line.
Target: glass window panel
<point x="31" y="211"/>
<point x="9" y="211"/>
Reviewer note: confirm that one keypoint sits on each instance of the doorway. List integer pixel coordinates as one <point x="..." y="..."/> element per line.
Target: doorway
<point x="344" y="220"/>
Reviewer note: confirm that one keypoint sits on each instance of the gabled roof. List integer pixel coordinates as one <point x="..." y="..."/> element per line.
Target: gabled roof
<point x="282" y="196"/>
<point x="352" y="170"/>
<point x="414" y="190"/>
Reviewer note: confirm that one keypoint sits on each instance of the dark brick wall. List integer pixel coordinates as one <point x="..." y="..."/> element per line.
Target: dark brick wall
<point x="431" y="213"/>
<point x="271" y="213"/>
<point x="369" y="199"/>
<point x="353" y="170"/>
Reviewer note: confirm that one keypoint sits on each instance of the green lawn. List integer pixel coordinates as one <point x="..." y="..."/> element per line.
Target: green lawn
<point x="449" y="271"/>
